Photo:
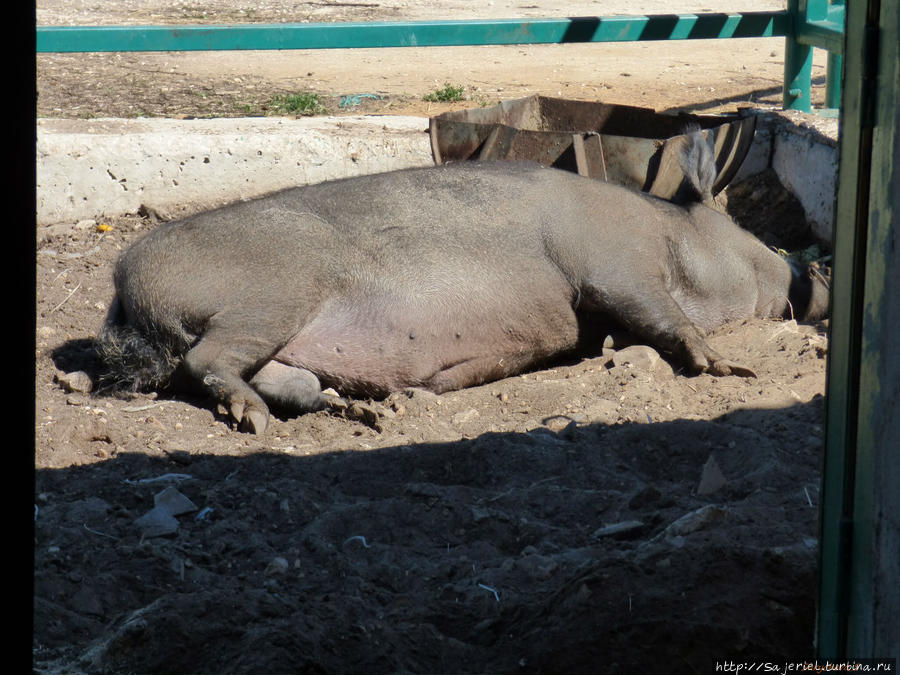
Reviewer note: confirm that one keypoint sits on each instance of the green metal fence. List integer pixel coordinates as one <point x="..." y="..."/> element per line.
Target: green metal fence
<point x="804" y="25"/>
<point x="814" y="23"/>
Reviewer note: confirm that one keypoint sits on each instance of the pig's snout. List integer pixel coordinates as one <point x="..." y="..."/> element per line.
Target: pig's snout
<point x="809" y="294"/>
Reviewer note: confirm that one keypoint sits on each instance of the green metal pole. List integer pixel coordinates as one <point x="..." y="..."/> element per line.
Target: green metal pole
<point x="835" y="12"/>
<point x="833" y="80"/>
<point x="797" y="64"/>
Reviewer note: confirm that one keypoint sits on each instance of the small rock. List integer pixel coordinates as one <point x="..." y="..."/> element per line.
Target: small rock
<point x="79" y="381"/>
<point x="174" y="502"/>
<point x="618" y="528"/>
<point x="157" y="522"/>
<point x="277" y="566"/>
<point x="203" y="514"/>
<point x="618" y="340"/>
<point x="712" y="478"/>
<point x="371" y="415"/>
<point x="644" y="358"/>
<point x="557" y="422"/>
<point x="696" y="520"/>
<point x="87" y="224"/>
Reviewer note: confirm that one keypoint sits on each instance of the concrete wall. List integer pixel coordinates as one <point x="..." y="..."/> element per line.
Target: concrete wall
<point x="91" y="168"/>
<point x="87" y="169"/>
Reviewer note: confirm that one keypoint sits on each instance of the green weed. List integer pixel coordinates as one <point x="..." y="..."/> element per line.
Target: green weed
<point x="298" y="104"/>
<point x="446" y="94"/>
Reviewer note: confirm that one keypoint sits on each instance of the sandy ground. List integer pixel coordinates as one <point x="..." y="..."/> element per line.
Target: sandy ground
<point x="602" y="515"/>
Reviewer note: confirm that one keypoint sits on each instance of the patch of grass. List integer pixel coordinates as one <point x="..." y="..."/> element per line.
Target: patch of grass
<point x="248" y="109"/>
<point x="812" y="254"/>
<point x="446" y="94"/>
<point x="806" y="255"/>
<point x="298" y="104"/>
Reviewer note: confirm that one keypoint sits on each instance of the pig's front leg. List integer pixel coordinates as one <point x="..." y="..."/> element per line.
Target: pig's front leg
<point x="648" y="311"/>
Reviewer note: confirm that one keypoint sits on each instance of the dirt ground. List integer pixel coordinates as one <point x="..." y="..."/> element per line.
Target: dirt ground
<point x="606" y="514"/>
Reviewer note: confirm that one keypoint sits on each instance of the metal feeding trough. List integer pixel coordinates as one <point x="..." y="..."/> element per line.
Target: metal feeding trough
<point x="632" y="146"/>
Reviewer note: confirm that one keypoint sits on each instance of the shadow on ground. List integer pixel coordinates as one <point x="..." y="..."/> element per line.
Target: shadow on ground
<point x="658" y="548"/>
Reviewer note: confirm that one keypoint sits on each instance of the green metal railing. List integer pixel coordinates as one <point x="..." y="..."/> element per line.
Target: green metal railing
<point x="814" y="23"/>
<point x="799" y="25"/>
<point x="410" y="34"/>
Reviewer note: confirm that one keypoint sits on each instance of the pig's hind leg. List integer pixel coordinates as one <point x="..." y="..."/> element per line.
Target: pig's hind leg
<point x="292" y="389"/>
<point x="650" y="312"/>
<point x="220" y="361"/>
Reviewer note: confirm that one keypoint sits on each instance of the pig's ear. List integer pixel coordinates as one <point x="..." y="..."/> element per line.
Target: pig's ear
<point x="684" y="169"/>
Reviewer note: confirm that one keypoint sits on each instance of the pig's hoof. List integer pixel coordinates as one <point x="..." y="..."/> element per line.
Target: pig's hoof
<point x="335" y="403"/>
<point x="255" y="421"/>
<point x="249" y="418"/>
<point x="723" y="367"/>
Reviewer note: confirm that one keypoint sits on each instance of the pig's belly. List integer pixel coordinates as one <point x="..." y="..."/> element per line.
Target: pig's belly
<point x="376" y="344"/>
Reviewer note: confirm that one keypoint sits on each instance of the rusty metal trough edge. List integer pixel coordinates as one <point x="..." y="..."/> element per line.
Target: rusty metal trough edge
<point x="611" y="142"/>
